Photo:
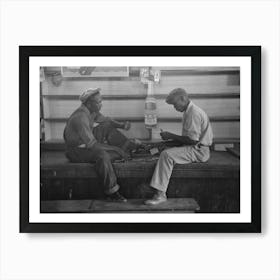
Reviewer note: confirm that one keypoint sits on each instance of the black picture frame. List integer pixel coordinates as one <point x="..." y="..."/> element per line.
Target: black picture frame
<point x="254" y="52"/>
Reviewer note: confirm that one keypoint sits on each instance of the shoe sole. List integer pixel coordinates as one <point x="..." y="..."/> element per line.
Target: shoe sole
<point x="154" y="203"/>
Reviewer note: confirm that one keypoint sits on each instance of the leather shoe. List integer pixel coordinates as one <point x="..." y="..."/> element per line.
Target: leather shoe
<point x="116" y="197"/>
<point x="157" y="199"/>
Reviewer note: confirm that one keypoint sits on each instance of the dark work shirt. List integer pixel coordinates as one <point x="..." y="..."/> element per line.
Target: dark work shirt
<point x="78" y="130"/>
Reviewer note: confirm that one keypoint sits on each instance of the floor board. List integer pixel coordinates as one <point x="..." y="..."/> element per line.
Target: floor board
<point x="183" y="205"/>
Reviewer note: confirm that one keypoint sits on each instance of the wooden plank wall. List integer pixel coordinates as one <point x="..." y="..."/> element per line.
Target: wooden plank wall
<point x="216" y="93"/>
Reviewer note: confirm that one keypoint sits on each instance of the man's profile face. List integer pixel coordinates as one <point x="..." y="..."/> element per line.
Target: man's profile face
<point x="95" y="103"/>
<point x="180" y="104"/>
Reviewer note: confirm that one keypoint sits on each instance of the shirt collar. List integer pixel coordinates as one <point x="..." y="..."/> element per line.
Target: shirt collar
<point x="189" y="106"/>
<point x="86" y="110"/>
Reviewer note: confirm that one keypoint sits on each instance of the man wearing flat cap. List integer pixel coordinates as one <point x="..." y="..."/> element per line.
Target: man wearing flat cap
<point x="94" y="138"/>
<point x="195" y="141"/>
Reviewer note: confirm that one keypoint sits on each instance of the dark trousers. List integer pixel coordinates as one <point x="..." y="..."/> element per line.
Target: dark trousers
<point x="104" y="133"/>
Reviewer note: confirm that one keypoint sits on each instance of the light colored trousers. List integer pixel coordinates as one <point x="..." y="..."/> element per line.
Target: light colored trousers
<point x="169" y="157"/>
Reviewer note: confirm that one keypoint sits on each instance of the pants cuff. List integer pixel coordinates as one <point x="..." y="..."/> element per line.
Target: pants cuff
<point x="112" y="190"/>
<point x="159" y="188"/>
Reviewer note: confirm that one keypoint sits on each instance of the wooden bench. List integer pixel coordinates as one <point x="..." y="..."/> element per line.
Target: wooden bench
<point x="59" y="145"/>
<point x="178" y="205"/>
<point x="54" y="164"/>
<point x="214" y="185"/>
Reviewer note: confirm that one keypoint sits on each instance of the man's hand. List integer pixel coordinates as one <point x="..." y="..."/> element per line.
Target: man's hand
<point x="165" y="135"/>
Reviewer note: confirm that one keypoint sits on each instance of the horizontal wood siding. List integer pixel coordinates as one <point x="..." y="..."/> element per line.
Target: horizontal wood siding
<point x="135" y="108"/>
<point x="138" y="130"/>
<point x="193" y="84"/>
<point x="215" y="92"/>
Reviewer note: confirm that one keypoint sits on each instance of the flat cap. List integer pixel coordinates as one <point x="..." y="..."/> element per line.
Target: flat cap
<point x="88" y="93"/>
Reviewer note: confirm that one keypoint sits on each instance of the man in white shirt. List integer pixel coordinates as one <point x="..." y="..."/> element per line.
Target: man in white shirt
<point x="196" y="139"/>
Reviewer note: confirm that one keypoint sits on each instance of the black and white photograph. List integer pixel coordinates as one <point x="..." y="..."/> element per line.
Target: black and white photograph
<point x="144" y="137"/>
<point x="149" y="139"/>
